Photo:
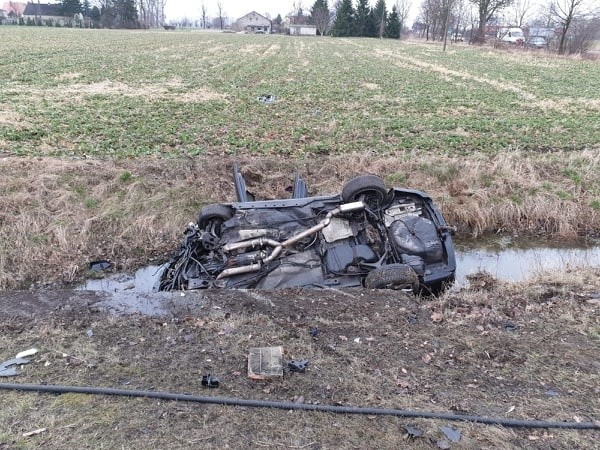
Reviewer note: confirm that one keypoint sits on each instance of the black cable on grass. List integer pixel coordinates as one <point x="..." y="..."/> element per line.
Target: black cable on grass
<point x="58" y="389"/>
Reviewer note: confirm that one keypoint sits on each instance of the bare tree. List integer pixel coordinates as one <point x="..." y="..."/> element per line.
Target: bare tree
<point x="447" y="6"/>
<point x="151" y="12"/>
<point x="220" y="11"/>
<point x="203" y="12"/>
<point x="459" y="18"/>
<point x="520" y="9"/>
<point x="321" y="17"/>
<point x="565" y="11"/>
<point x="403" y="10"/>
<point x="486" y="9"/>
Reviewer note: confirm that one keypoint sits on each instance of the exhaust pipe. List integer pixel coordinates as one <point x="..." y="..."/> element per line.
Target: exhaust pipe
<point x="279" y="247"/>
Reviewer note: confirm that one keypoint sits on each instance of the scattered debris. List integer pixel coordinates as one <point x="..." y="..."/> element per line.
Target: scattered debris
<point x="509" y="326"/>
<point x="267" y="98"/>
<point x="26" y="353"/>
<point x="413" y="432"/>
<point x="210" y="381"/>
<point x="314" y="332"/>
<point x="34" y="432"/>
<point x="7" y="369"/>
<point x="451" y="433"/>
<point x="89" y="333"/>
<point x="482" y="281"/>
<point x="552" y="393"/>
<point x="265" y="362"/>
<point x="298" y="365"/>
<point x="100" y="265"/>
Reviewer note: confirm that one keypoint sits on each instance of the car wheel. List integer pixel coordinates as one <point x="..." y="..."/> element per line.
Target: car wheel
<point x="393" y="276"/>
<point x="212" y="216"/>
<point x="370" y="187"/>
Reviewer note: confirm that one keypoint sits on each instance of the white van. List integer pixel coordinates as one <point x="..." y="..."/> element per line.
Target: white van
<point x="511" y="35"/>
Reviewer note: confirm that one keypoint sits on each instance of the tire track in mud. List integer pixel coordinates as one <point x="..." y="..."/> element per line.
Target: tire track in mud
<point x="500" y="85"/>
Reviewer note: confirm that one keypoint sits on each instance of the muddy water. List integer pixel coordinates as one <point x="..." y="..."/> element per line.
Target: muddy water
<point x="517" y="261"/>
<point x="505" y="259"/>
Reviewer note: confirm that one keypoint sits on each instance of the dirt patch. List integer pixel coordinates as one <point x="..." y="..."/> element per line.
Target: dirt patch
<point x="526" y="351"/>
<point x="13" y="119"/>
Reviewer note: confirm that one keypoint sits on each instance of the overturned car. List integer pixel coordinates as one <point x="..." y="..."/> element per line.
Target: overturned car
<point x="366" y="236"/>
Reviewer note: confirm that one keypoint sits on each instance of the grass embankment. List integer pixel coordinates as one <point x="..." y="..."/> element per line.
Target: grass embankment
<point x="504" y="142"/>
<point x="58" y="215"/>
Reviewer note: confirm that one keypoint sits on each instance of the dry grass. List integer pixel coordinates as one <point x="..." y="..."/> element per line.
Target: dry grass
<point x="57" y="215"/>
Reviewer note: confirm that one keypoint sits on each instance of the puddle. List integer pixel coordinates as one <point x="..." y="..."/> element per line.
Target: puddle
<point x="142" y="281"/>
<point x="505" y="260"/>
<point x="128" y="294"/>
<point x="518" y="262"/>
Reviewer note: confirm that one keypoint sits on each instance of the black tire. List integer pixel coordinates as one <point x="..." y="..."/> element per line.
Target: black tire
<point x="371" y="187"/>
<point x="393" y="276"/>
<point x="214" y="215"/>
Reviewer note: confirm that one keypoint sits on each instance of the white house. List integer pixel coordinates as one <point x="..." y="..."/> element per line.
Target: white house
<point x="253" y="23"/>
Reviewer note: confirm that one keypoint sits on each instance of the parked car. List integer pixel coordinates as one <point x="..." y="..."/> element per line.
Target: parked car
<point x="511" y="35"/>
<point x="537" y="42"/>
<point x="365" y="236"/>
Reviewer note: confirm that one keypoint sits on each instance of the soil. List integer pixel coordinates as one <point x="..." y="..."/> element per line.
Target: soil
<point x="519" y="351"/>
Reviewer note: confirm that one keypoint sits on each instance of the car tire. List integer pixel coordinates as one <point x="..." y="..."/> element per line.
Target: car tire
<point x="371" y="187"/>
<point x="213" y="216"/>
<point x="393" y="276"/>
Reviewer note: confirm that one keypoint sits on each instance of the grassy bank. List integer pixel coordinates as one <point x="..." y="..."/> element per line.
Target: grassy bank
<point x="57" y="215"/>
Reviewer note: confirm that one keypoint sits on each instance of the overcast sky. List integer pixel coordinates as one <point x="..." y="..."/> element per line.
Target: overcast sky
<point x="177" y="9"/>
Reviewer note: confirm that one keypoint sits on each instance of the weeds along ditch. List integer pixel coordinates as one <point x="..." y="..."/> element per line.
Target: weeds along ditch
<point x="60" y="214"/>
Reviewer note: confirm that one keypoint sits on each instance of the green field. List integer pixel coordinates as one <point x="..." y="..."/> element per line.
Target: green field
<point x="128" y="93"/>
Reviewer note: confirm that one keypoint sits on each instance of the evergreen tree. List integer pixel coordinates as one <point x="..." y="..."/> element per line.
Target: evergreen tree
<point x="95" y="14"/>
<point x="392" y="29"/>
<point x="380" y="13"/>
<point x="70" y="7"/>
<point x="361" y="18"/>
<point x="86" y="7"/>
<point x="344" y="20"/>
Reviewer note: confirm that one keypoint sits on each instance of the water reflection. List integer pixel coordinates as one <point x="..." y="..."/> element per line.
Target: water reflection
<point x="517" y="264"/>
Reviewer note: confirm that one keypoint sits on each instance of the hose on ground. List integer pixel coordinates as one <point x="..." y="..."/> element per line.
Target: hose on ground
<point x="228" y="401"/>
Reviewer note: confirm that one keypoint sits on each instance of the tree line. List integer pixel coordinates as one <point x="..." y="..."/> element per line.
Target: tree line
<point x="360" y="21"/>
<point x="118" y="13"/>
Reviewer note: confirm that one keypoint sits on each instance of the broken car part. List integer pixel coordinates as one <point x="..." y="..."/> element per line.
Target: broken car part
<point x="298" y="365"/>
<point x="210" y="381"/>
<point x="7" y="368"/>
